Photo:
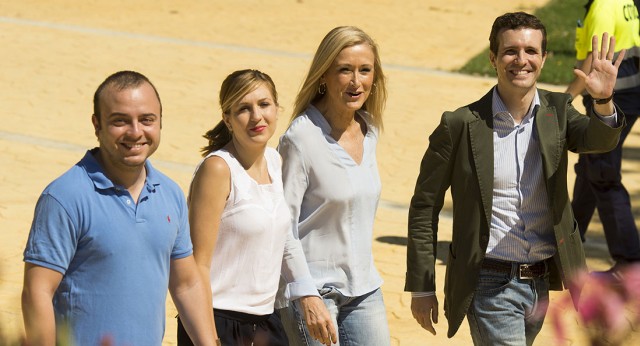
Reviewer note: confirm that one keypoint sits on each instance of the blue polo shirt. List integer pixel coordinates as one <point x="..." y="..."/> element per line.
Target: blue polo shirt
<point x="114" y="254"/>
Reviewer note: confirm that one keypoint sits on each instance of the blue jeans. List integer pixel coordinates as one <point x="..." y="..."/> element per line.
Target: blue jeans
<point x="506" y="310"/>
<point x="359" y="320"/>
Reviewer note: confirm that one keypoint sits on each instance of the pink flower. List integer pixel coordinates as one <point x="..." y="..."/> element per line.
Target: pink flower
<point x="608" y="308"/>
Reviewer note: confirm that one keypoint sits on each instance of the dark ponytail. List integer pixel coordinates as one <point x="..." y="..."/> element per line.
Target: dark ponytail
<point x="218" y="137"/>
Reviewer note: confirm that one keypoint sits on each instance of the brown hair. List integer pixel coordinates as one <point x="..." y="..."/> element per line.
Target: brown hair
<point x="236" y="86"/>
<point x="512" y="21"/>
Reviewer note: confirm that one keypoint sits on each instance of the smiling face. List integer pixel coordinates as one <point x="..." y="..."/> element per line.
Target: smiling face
<point x="253" y="119"/>
<point x="349" y="79"/>
<point x="128" y="127"/>
<point x="519" y="59"/>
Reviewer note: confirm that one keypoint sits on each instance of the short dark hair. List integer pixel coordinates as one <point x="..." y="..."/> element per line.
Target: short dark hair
<point x="512" y="21"/>
<point x="120" y="81"/>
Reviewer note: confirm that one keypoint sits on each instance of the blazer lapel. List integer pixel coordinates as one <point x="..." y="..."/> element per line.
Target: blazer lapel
<point x="481" y="139"/>
<point x="546" y="122"/>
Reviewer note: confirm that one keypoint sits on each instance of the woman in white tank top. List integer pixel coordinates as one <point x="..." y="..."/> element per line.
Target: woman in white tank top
<point x="237" y="213"/>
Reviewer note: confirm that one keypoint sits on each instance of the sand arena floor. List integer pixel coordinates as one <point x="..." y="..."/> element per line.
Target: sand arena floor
<point x="55" y="53"/>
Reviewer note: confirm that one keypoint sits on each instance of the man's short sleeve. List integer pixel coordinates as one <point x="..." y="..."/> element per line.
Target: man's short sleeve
<point x="182" y="246"/>
<point x="53" y="236"/>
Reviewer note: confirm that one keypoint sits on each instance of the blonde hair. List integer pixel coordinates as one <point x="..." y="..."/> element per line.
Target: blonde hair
<point x="332" y="44"/>
<point x="236" y="86"/>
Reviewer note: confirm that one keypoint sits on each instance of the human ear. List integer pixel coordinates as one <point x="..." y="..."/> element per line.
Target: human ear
<point x="96" y="124"/>
<point x="492" y="60"/>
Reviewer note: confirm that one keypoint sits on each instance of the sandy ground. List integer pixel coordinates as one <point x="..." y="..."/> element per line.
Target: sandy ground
<point x="55" y="53"/>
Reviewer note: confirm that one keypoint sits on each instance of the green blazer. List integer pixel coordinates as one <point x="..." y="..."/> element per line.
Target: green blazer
<point x="460" y="156"/>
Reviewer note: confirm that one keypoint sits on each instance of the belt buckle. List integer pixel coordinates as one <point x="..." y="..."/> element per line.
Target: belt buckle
<point x="522" y="267"/>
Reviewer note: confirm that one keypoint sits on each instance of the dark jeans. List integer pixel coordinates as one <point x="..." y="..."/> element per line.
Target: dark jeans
<point x="240" y="329"/>
<point x="599" y="185"/>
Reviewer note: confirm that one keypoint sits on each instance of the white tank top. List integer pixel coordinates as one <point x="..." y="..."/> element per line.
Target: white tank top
<point x="247" y="259"/>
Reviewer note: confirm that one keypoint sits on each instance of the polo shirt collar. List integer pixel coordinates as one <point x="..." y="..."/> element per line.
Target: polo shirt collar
<point x="102" y="182"/>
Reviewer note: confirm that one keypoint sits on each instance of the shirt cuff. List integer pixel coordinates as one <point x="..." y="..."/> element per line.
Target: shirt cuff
<point x="302" y="288"/>
<point x="610" y="120"/>
<point x="422" y="294"/>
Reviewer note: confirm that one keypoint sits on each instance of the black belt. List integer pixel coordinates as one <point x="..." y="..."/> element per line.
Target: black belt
<point x="523" y="270"/>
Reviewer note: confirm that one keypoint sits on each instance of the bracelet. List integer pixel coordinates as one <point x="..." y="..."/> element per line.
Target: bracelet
<point x="604" y="101"/>
<point x="218" y="343"/>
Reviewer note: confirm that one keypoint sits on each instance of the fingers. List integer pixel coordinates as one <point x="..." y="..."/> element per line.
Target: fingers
<point x="608" y="46"/>
<point x="429" y="327"/>
<point x="579" y="74"/>
<point x="425" y="311"/>
<point x="604" y="46"/>
<point x="434" y="317"/>
<point x="595" y="55"/>
<point x="425" y="322"/>
<point x="324" y="332"/>
<point x="611" y="51"/>
<point x="606" y="50"/>
<point x="321" y="333"/>
<point x="612" y="47"/>
<point x="620" y="58"/>
<point x="318" y="320"/>
<point x="600" y="77"/>
<point x="332" y="333"/>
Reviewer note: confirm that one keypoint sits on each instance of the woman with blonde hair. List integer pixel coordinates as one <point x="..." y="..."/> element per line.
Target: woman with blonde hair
<point x="238" y="216"/>
<point x="332" y="186"/>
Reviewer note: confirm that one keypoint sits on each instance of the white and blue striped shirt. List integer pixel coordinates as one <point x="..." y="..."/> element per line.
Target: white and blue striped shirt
<point x="521" y="223"/>
<point x="521" y="220"/>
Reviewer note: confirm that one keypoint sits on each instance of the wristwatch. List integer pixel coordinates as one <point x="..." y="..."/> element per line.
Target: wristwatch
<point x="604" y="101"/>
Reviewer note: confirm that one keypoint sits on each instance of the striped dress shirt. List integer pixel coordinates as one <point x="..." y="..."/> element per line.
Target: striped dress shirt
<point x="521" y="223"/>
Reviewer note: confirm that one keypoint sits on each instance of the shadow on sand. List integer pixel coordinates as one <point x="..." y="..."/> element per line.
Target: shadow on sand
<point x="595" y="246"/>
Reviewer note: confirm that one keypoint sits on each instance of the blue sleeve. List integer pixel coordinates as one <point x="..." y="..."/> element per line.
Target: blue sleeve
<point x="182" y="246"/>
<point x="53" y="237"/>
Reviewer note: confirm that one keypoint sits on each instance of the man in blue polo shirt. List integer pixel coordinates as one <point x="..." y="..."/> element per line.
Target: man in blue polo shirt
<point x="111" y="234"/>
<point x="598" y="182"/>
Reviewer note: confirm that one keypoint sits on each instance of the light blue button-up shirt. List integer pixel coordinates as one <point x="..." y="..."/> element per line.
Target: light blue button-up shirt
<point x="333" y="201"/>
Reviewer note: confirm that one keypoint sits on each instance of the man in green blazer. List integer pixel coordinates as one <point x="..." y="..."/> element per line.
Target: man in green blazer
<point x="505" y="159"/>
